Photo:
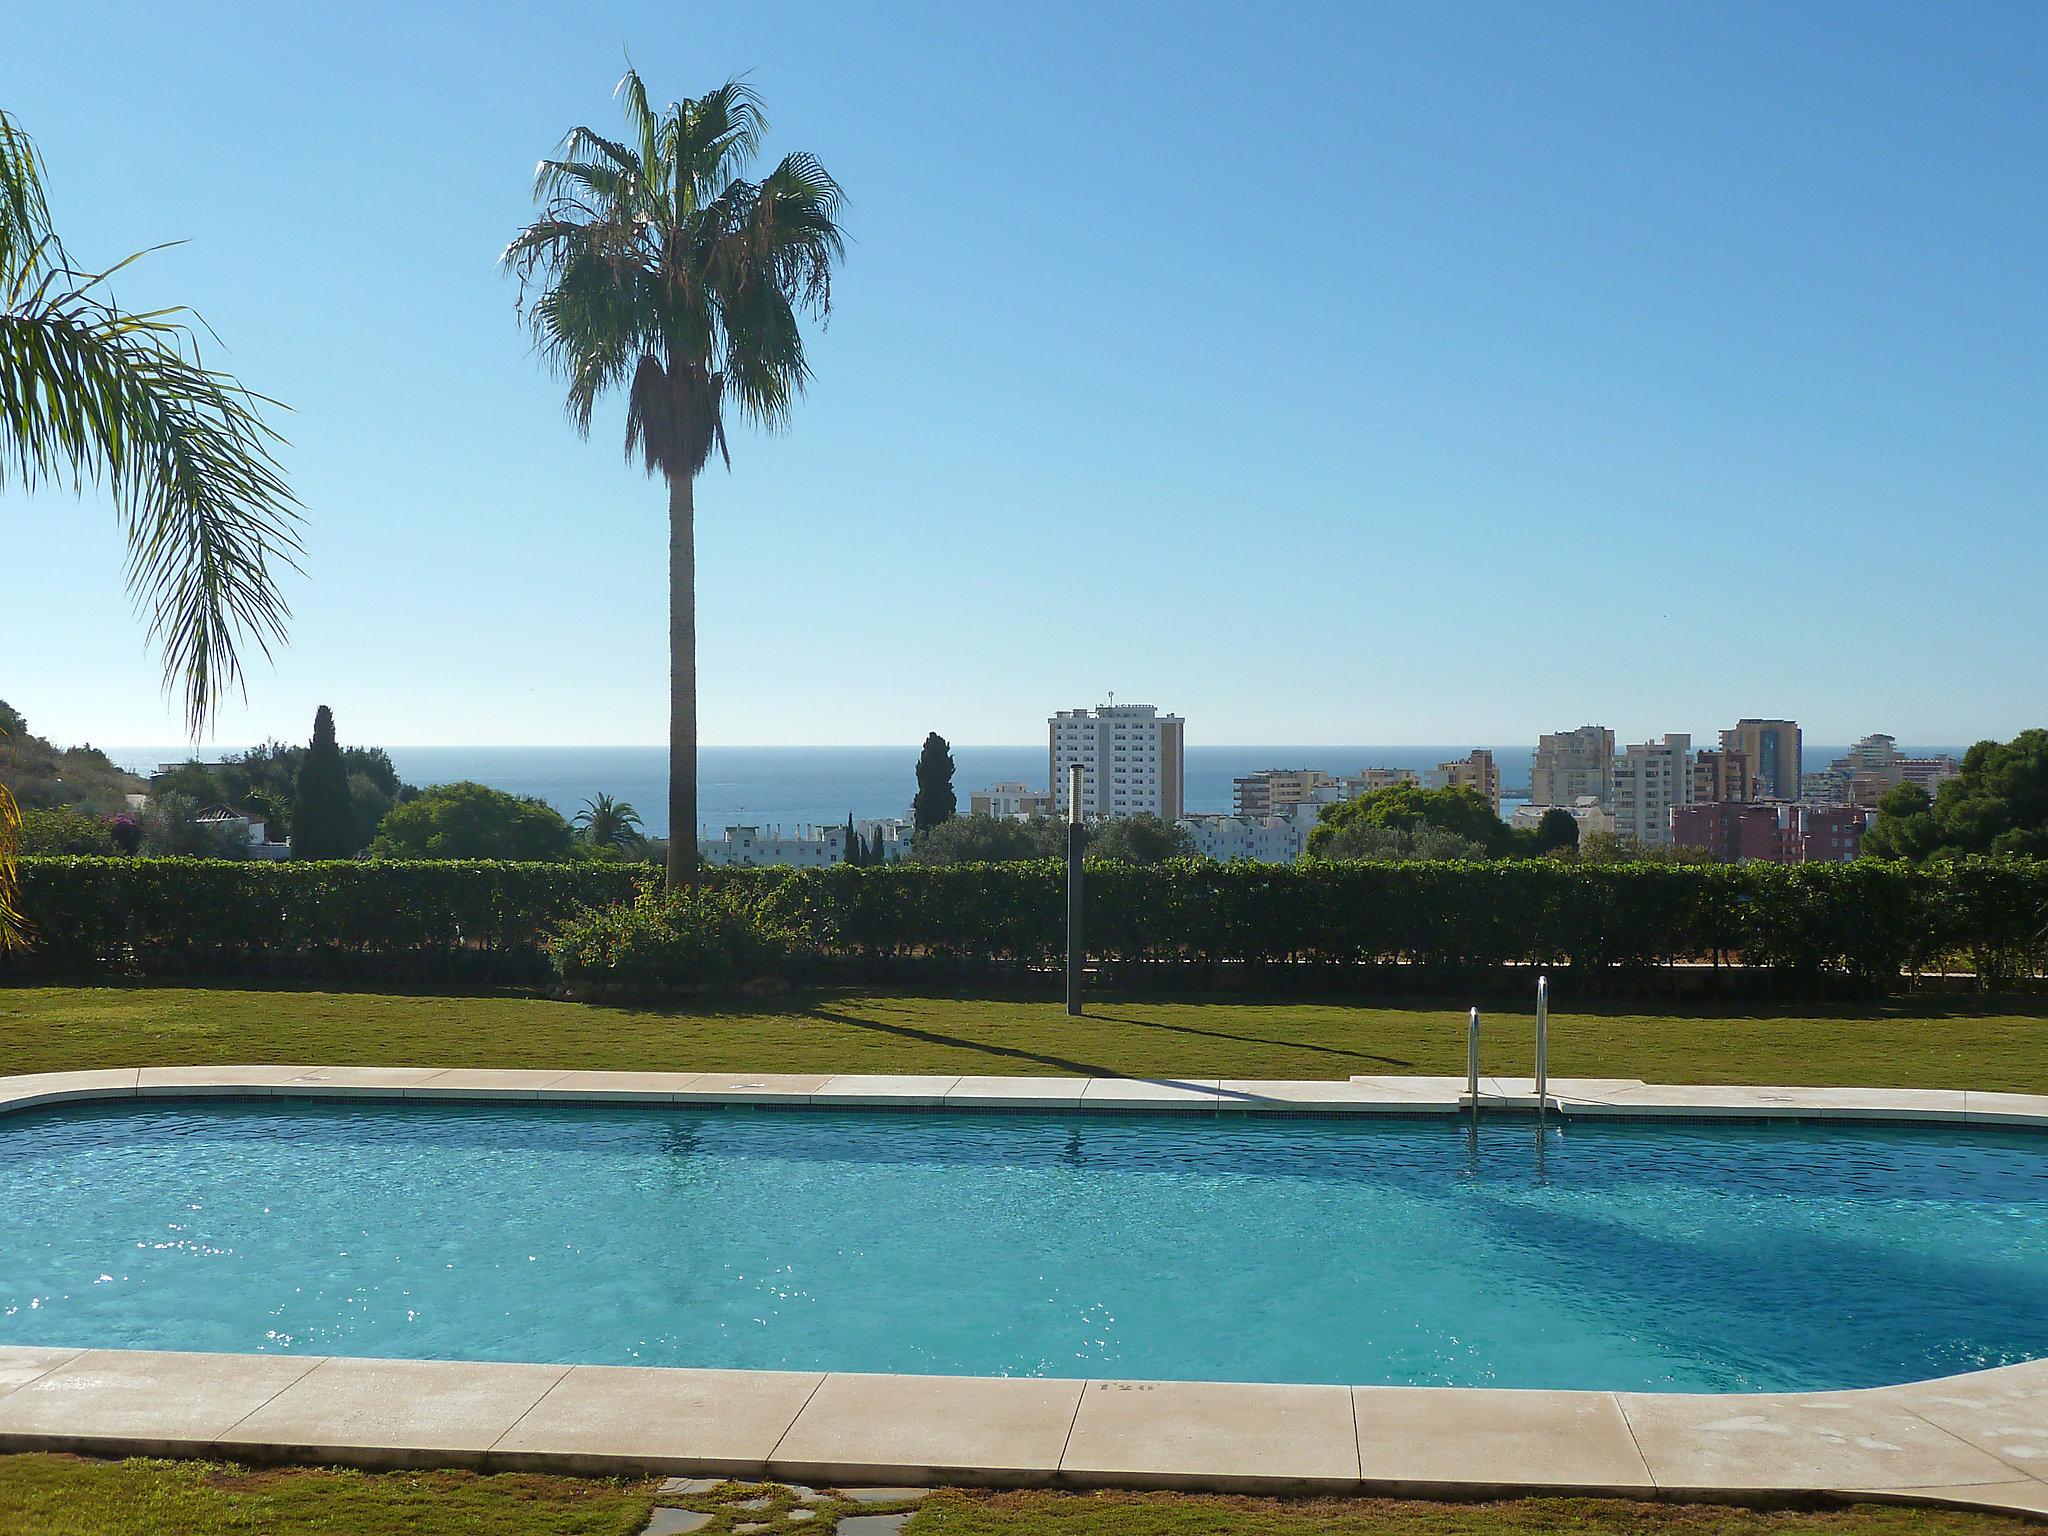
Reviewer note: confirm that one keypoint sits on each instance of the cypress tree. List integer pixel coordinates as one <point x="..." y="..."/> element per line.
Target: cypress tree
<point x="935" y="800"/>
<point x="323" y="818"/>
<point x="853" y="848"/>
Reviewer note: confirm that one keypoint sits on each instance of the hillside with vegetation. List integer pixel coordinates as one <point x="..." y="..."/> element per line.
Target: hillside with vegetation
<point x="44" y="776"/>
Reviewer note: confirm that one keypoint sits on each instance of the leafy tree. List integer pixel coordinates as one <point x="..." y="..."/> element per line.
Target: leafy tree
<point x="171" y="829"/>
<point x="471" y="821"/>
<point x="934" y="801"/>
<point x="1360" y="841"/>
<point x="1460" y="810"/>
<point x="1905" y="827"/>
<point x="323" y="814"/>
<point x="1557" y="831"/>
<point x="368" y="804"/>
<point x="990" y="840"/>
<point x="1614" y="848"/>
<point x="65" y="831"/>
<point x="662" y="272"/>
<point x="608" y="823"/>
<point x="1140" y="839"/>
<point x="1997" y="804"/>
<point x="95" y="393"/>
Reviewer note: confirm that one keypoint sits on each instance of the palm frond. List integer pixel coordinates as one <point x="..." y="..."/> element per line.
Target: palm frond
<point x="92" y="394"/>
<point x="13" y="922"/>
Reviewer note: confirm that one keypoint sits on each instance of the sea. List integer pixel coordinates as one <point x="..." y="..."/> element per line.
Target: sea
<point x="795" y="787"/>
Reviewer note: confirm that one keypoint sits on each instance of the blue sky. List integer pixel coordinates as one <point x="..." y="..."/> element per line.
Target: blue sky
<point x="1325" y="373"/>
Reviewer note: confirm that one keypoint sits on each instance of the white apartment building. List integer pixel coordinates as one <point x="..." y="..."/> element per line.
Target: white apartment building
<point x="1279" y="838"/>
<point x="807" y="848"/>
<point x="1571" y="764"/>
<point x="1586" y="810"/>
<point x="1133" y="760"/>
<point x="1009" y="802"/>
<point x="1651" y="779"/>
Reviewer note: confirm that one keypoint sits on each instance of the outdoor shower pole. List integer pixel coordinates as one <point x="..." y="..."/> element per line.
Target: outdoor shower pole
<point x="1077" y="835"/>
<point x="1542" y="1042"/>
<point x="1472" y="1061"/>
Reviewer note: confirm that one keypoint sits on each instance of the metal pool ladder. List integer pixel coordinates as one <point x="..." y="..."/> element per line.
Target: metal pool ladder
<point x="1542" y="1051"/>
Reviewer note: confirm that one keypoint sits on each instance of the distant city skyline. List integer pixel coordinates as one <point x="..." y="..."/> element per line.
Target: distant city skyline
<point x="1537" y="365"/>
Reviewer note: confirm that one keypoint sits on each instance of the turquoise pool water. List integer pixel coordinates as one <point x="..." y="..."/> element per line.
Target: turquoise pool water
<point x="1708" y="1258"/>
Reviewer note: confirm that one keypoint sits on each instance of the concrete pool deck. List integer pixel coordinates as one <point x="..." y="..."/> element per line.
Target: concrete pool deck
<point x="1975" y="1441"/>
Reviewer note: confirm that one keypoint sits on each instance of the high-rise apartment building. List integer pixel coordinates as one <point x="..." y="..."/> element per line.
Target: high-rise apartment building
<point x="1723" y="777"/>
<point x="1571" y="765"/>
<point x="1368" y="779"/>
<point x="1275" y="789"/>
<point x="1475" y="770"/>
<point x="1651" y="779"/>
<point x="1774" y="752"/>
<point x="1133" y="760"/>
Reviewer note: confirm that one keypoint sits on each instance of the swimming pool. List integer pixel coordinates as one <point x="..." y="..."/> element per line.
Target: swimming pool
<point x="1683" y="1257"/>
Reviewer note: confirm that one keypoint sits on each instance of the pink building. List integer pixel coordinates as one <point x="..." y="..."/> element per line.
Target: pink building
<point x="1733" y="832"/>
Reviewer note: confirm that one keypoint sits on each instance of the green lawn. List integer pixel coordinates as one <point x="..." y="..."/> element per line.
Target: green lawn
<point x="70" y="1496"/>
<point x="1903" y="1042"/>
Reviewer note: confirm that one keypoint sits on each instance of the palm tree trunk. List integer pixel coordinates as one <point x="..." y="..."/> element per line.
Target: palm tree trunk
<point x="682" y="681"/>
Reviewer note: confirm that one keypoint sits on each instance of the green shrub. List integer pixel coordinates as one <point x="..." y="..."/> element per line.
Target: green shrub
<point x="715" y="939"/>
<point x="65" y="830"/>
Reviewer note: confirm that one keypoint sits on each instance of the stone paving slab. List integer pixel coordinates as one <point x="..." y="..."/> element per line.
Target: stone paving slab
<point x="395" y="1413"/>
<point x="1017" y="1092"/>
<point x="484" y="1083"/>
<point x="1146" y="1093"/>
<point x="187" y="1082"/>
<point x="1226" y="1436"/>
<point x="1424" y="1441"/>
<point x="613" y="1419"/>
<point x="2006" y="1108"/>
<point x="371" y="1082"/>
<point x="1313" y="1095"/>
<point x="861" y="1089"/>
<point x="20" y="1365"/>
<point x="919" y="1429"/>
<point x="596" y="1086"/>
<point x="28" y="1090"/>
<point x="2002" y="1412"/>
<point x="143" y="1402"/>
<point x="752" y="1088"/>
<point x="1761" y="1443"/>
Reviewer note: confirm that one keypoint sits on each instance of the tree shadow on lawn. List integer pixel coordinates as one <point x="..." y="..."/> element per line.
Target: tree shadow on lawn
<point x="1017" y="1053"/>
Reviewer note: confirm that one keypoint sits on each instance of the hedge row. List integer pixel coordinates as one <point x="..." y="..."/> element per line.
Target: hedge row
<point x="1867" y="922"/>
<point x="448" y="920"/>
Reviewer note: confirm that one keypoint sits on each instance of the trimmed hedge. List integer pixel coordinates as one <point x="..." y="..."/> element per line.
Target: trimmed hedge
<point x="1419" y="925"/>
<point x="454" y="920"/>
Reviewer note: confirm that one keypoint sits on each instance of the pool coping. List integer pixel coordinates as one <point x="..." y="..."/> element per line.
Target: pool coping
<point x="1978" y="1440"/>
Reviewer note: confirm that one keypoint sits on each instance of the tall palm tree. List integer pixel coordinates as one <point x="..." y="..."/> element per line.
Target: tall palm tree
<point x="93" y="394"/>
<point x="608" y="823"/>
<point x="655" y="268"/>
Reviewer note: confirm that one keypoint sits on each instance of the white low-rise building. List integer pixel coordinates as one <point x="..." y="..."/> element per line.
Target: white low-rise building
<point x="1011" y="801"/>
<point x="253" y="830"/>
<point x="1280" y="838"/>
<point x="808" y="848"/>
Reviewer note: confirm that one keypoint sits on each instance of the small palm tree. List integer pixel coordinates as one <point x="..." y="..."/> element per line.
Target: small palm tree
<point x="92" y="394"/>
<point x="608" y="823"/>
<point x="656" y="269"/>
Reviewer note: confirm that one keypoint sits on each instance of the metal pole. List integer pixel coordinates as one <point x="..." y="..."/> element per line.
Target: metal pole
<point x="1542" y="1041"/>
<point x="1472" y="1060"/>
<point x="1077" y="835"/>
